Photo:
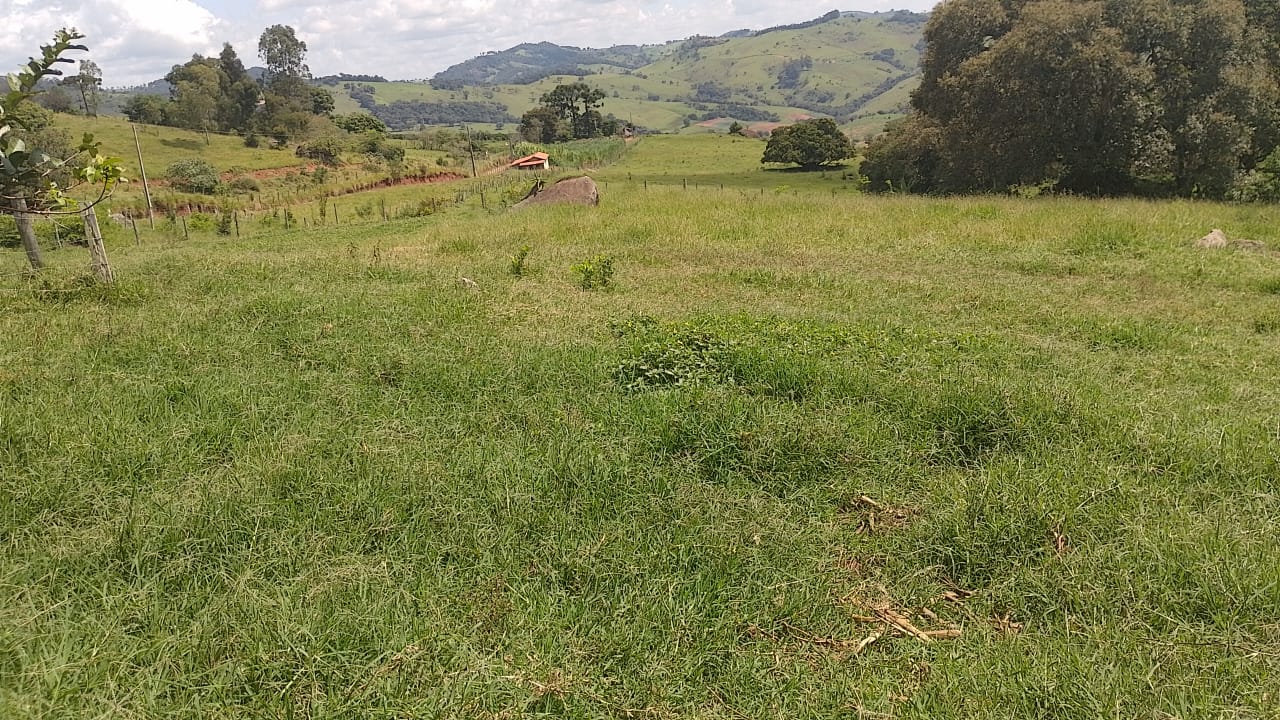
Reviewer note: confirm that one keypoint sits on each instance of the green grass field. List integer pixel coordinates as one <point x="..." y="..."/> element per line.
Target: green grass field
<point x="709" y="160"/>
<point x="309" y="474"/>
<point x="162" y="146"/>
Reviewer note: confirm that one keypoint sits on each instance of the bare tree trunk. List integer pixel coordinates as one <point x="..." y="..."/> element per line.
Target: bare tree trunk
<point x="27" y="231"/>
<point x="97" y="251"/>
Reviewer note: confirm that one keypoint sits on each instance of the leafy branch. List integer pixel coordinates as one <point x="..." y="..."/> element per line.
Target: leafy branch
<point x="25" y="173"/>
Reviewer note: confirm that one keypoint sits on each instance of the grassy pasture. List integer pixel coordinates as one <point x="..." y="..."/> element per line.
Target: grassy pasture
<point x="162" y="146"/>
<point x="306" y="474"/>
<point x="711" y="160"/>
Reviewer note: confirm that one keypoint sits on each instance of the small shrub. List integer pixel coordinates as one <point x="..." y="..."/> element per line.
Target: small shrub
<point x="244" y="184"/>
<point x="518" y="266"/>
<point x="320" y="176"/>
<point x="224" y="222"/>
<point x="326" y="149"/>
<point x="202" y="222"/>
<point x="193" y="175"/>
<point x="251" y="141"/>
<point x="594" y="274"/>
<point x="682" y="357"/>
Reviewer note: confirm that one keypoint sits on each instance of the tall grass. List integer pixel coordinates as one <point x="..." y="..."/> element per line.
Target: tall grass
<point x="313" y="475"/>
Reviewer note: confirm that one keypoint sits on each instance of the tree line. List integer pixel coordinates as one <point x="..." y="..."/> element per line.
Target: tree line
<point x="1101" y="97"/>
<point x="218" y="93"/>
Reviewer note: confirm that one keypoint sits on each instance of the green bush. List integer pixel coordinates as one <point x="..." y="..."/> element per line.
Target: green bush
<point x="1262" y="184"/>
<point x="594" y="274"/>
<point x="202" y="222"/>
<point x="244" y="184"/>
<point x="326" y="149"/>
<point x="193" y="175"/>
<point x="519" y="261"/>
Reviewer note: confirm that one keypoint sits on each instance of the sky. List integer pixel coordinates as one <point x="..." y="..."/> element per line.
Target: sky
<point x="136" y="41"/>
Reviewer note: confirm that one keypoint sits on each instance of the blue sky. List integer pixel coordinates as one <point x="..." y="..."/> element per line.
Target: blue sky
<point x="135" y="41"/>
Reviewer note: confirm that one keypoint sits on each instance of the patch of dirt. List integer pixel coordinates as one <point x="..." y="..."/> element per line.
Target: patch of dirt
<point x="270" y="173"/>
<point x="411" y="180"/>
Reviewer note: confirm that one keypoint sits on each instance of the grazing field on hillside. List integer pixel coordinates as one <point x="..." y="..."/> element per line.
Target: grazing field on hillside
<point x="162" y="146"/>
<point x="802" y="456"/>
<point x="709" y="160"/>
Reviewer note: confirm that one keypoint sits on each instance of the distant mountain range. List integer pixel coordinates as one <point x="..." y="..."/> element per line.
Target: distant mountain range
<point x="856" y="67"/>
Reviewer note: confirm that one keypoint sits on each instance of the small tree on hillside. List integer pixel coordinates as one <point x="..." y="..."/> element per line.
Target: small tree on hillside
<point x="809" y="144"/>
<point x="28" y="173"/>
<point x="87" y="83"/>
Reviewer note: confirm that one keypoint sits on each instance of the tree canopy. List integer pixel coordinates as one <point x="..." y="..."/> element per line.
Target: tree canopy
<point x="1089" y="96"/>
<point x="568" y="112"/>
<point x="808" y="143"/>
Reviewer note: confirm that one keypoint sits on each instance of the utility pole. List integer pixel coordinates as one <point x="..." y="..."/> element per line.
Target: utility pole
<point x="146" y="190"/>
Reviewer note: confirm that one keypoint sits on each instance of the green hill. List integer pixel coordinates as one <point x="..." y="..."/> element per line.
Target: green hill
<point x="850" y="66"/>
<point x="856" y="67"/>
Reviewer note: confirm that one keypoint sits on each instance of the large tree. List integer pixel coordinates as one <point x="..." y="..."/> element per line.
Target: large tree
<point x="288" y="101"/>
<point x="284" y="55"/>
<point x="195" y="90"/>
<point x="239" y="92"/>
<point x="577" y="105"/>
<point x="1091" y="96"/>
<point x="544" y="125"/>
<point x="808" y="143"/>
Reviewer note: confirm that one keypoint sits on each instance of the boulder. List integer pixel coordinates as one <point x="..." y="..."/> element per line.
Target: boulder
<point x="1218" y="239"/>
<point x="1215" y="239"/>
<point x="575" y="191"/>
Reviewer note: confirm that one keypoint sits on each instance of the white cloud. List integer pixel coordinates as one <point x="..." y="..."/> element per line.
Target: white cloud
<point x="136" y="41"/>
<point x="131" y="40"/>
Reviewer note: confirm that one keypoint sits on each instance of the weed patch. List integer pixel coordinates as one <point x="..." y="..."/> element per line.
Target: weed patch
<point x="594" y="274"/>
<point x="85" y="287"/>
<point x="519" y="264"/>
<point x="1123" y="335"/>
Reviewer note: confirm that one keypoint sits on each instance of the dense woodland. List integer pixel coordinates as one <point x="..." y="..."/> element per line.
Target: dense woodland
<point x="1165" y="97"/>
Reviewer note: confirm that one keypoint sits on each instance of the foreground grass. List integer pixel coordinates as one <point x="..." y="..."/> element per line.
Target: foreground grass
<point x="308" y="475"/>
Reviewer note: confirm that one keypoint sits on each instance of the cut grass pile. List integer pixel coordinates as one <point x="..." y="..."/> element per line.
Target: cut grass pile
<point x="802" y="456"/>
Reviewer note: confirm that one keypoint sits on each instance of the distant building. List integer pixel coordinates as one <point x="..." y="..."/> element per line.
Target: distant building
<point x="536" y="161"/>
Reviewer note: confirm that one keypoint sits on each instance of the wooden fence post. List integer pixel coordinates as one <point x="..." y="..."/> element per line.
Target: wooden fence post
<point x="97" y="251"/>
<point x="133" y="221"/>
<point x="27" y="231"/>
